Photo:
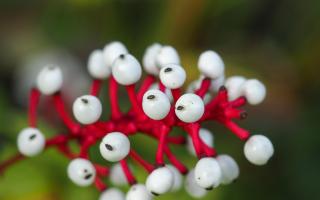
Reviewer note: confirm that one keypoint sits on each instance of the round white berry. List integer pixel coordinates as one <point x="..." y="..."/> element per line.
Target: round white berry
<point x="205" y="135"/>
<point x="258" y="149"/>
<point x="117" y="176"/>
<point x="149" y="59"/>
<point x="112" y="51"/>
<point x="207" y="173"/>
<point x="160" y="181"/>
<point x="172" y="76"/>
<point x="234" y="86"/>
<point x="254" y="91"/>
<point x="97" y="67"/>
<point x="229" y="169"/>
<point x="49" y="80"/>
<point x="112" y="194"/>
<point x="189" y="108"/>
<point x="115" y="146"/>
<point x="177" y="178"/>
<point x="167" y="55"/>
<point x="126" y="69"/>
<point x="30" y="142"/>
<point x="156" y="104"/>
<point x="138" y="192"/>
<point x="211" y="65"/>
<point x="192" y="187"/>
<point x="81" y="172"/>
<point x="87" y="109"/>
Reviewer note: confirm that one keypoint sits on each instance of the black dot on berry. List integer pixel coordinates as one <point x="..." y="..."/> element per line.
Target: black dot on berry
<point x="154" y="193"/>
<point x="86" y="101"/>
<point x="122" y="56"/>
<point x="168" y="69"/>
<point x="180" y="107"/>
<point x="32" y="137"/>
<point x="151" y="97"/>
<point x="109" y="147"/>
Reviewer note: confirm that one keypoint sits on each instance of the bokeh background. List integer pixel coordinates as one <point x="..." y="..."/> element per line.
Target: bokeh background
<point x="277" y="41"/>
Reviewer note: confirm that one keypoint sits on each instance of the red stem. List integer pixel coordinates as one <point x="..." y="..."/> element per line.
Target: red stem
<point x="205" y="85"/>
<point x="95" y="87"/>
<point x="175" y="162"/>
<point x="164" y="131"/>
<point x="239" y="132"/>
<point x="113" y="95"/>
<point x="146" y="165"/>
<point x="134" y="101"/>
<point x="100" y="185"/>
<point x="67" y="120"/>
<point x="33" y="104"/>
<point x="148" y="81"/>
<point x="130" y="178"/>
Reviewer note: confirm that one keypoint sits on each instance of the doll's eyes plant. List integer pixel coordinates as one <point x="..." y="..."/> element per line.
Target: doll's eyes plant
<point x="157" y="106"/>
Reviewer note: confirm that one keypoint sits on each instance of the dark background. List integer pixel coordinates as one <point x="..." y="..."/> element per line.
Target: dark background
<point x="277" y="41"/>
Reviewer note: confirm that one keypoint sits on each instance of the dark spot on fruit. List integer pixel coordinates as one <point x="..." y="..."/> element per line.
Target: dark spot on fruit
<point x="168" y="69"/>
<point x="109" y="147"/>
<point x="151" y="97"/>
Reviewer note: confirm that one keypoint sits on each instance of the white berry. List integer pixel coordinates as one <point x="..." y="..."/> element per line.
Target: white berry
<point x="211" y="65"/>
<point x="112" y="194"/>
<point x="126" y="69"/>
<point x="138" y="192"/>
<point x="112" y="51"/>
<point x="234" y="86"/>
<point x="189" y="108"/>
<point x="205" y="135"/>
<point x="81" y="172"/>
<point x="167" y="55"/>
<point x="115" y="146"/>
<point x="254" y="91"/>
<point x="49" y="80"/>
<point x="87" y="109"/>
<point x="177" y="178"/>
<point x="156" y="104"/>
<point x="172" y="76"/>
<point x="97" y="67"/>
<point x="149" y="59"/>
<point x="192" y="187"/>
<point x="30" y="142"/>
<point x="207" y="173"/>
<point x="117" y="176"/>
<point x="258" y="149"/>
<point x="160" y="181"/>
<point x="229" y="169"/>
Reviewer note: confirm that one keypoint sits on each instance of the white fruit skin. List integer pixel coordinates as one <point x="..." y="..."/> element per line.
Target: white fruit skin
<point x="258" y="149"/>
<point x="120" y="144"/>
<point x="29" y="147"/>
<point x="50" y="79"/>
<point x="112" y="51"/>
<point x="207" y="173"/>
<point x="254" y="91"/>
<point x="193" y="108"/>
<point x="192" y="188"/>
<point x="127" y="70"/>
<point x="160" y="181"/>
<point x="112" y="194"/>
<point x="138" y="192"/>
<point x="76" y="172"/>
<point x="205" y="135"/>
<point x="167" y="55"/>
<point x="117" y="176"/>
<point x="167" y="91"/>
<point x="210" y="64"/>
<point x="149" y="59"/>
<point x="177" y="178"/>
<point x="229" y="169"/>
<point x="173" y="79"/>
<point x="157" y="108"/>
<point x="96" y="65"/>
<point x="87" y="113"/>
<point x="234" y="86"/>
<point x="216" y="84"/>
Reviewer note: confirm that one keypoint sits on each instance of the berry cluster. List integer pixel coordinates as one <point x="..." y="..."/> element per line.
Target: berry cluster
<point x="156" y="107"/>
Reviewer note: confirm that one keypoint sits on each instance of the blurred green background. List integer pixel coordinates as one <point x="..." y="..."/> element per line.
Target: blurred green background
<point x="277" y="41"/>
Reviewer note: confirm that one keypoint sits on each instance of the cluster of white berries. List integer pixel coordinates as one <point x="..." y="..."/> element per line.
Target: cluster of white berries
<point x="164" y="62"/>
